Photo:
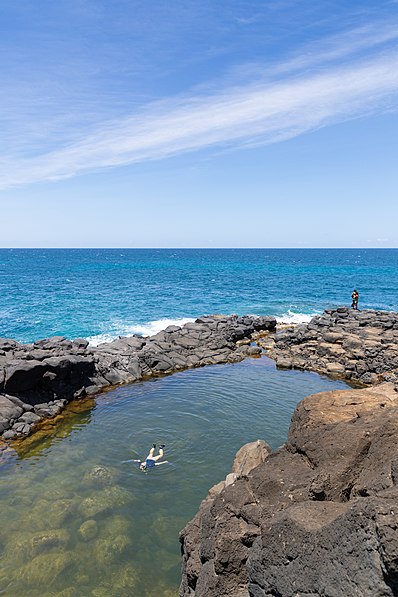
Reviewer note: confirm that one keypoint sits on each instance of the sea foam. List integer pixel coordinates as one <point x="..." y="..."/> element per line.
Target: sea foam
<point x="146" y="329"/>
<point x="295" y="318"/>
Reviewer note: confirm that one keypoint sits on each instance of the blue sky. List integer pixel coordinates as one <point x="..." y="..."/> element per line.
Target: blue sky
<point x="196" y="123"/>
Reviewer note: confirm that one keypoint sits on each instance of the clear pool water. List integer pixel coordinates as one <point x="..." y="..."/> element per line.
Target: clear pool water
<point x="78" y="518"/>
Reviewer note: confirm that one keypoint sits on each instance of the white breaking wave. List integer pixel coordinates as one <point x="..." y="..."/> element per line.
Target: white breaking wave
<point x="147" y="329"/>
<point x="295" y="318"/>
<point x="153" y="327"/>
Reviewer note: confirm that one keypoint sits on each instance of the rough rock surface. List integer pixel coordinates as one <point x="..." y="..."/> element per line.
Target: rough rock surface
<point x="318" y="517"/>
<point x="37" y="380"/>
<point x="356" y="345"/>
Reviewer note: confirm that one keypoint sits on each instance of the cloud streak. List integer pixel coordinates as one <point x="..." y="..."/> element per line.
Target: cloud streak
<point x="264" y="112"/>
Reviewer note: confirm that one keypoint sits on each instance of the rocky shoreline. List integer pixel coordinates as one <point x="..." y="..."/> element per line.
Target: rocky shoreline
<point x="360" y="346"/>
<point x="319" y="516"/>
<point x="38" y="380"/>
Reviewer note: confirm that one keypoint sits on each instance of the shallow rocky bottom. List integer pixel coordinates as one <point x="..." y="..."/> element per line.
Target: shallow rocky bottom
<point x="78" y="518"/>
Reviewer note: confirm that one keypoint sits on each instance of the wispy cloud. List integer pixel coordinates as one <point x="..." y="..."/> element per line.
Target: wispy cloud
<point x="298" y="98"/>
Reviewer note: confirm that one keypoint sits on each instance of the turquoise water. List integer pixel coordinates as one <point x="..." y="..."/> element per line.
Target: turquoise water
<point x="66" y="533"/>
<point x="71" y="529"/>
<point x="101" y="293"/>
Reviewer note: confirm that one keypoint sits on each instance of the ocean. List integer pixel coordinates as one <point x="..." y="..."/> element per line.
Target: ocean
<point x="63" y="531"/>
<point x="103" y="293"/>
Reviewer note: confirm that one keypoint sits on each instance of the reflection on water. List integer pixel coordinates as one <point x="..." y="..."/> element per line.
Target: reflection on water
<point x="78" y="518"/>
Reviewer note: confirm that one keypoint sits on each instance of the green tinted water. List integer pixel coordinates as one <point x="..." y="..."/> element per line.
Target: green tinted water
<point x="78" y="518"/>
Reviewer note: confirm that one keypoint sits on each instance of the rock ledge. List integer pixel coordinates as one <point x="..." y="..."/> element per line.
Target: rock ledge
<point x="37" y="380"/>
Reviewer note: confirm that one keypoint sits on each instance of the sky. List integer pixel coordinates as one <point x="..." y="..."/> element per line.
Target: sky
<point x="198" y="123"/>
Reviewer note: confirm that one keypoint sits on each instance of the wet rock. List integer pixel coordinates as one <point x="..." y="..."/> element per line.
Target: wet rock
<point x="44" y="569"/>
<point x="121" y="583"/>
<point x="88" y="530"/>
<point x="108" y="551"/>
<point x="51" y="514"/>
<point x="116" y="525"/>
<point x="100" y="476"/>
<point x="106" y="499"/>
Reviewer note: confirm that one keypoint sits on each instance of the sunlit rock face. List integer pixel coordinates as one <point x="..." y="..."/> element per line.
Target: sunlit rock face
<point x="317" y="517"/>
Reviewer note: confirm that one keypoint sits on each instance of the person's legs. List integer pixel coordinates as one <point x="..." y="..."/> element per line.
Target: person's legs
<point x="151" y="452"/>
<point x="159" y="456"/>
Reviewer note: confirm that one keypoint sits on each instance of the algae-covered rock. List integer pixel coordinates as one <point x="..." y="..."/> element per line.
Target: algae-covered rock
<point x="67" y="592"/>
<point x="47" y="514"/>
<point x="25" y="546"/>
<point x="88" y="530"/>
<point x="116" y="525"/>
<point x="103" y="500"/>
<point x="81" y="579"/>
<point x="48" y="540"/>
<point x="163" y="590"/>
<point x="45" y="568"/>
<point x="100" y="591"/>
<point x="108" y="551"/>
<point x="57" y="492"/>
<point x="100" y="476"/>
<point x="121" y="583"/>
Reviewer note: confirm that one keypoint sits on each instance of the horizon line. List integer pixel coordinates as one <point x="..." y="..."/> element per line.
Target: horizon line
<point x="194" y="248"/>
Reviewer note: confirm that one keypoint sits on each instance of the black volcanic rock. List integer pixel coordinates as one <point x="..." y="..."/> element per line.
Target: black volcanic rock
<point x="318" y="517"/>
<point x="356" y="345"/>
<point x="57" y="369"/>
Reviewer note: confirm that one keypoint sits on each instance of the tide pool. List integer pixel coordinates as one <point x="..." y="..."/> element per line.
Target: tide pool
<point x="78" y="518"/>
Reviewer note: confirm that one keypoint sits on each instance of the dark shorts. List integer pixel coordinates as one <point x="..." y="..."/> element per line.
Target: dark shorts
<point x="150" y="463"/>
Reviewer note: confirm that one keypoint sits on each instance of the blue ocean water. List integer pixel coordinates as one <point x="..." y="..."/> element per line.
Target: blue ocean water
<point x="103" y="293"/>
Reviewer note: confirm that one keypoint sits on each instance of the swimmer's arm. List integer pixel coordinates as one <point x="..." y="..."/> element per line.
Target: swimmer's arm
<point x="163" y="462"/>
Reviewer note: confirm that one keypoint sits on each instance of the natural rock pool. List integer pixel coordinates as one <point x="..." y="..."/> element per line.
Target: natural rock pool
<point x="78" y="518"/>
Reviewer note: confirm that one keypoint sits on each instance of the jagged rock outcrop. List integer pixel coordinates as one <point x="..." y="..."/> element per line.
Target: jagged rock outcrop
<point x="37" y="380"/>
<point x="356" y="345"/>
<point x="318" y="517"/>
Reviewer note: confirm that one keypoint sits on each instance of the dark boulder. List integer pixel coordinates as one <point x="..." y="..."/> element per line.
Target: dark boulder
<point x="23" y="375"/>
<point x="317" y="517"/>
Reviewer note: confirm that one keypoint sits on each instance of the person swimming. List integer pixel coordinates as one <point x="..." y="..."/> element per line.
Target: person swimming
<point x="151" y="460"/>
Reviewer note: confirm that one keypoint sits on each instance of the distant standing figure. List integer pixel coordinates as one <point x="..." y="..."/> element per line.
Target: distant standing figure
<point x="355" y="297"/>
<point x="152" y="460"/>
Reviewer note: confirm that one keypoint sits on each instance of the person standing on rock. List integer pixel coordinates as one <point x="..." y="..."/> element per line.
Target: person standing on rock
<point x="152" y="460"/>
<point x="355" y="297"/>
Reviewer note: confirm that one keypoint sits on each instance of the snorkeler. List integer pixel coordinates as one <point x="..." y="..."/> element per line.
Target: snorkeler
<point x="152" y="460"/>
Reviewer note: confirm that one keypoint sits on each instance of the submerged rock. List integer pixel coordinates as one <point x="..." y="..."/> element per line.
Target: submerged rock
<point x="44" y="569"/>
<point x="115" y="525"/>
<point x="120" y="583"/>
<point x="108" y="551"/>
<point x="100" y="476"/>
<point x="88" y="530"/>
<point x="103" y="500"/>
